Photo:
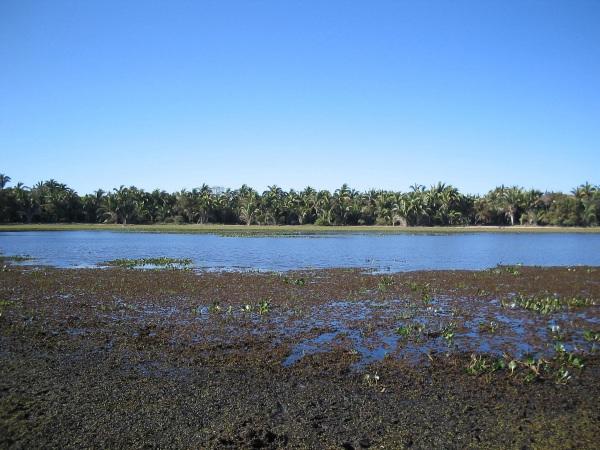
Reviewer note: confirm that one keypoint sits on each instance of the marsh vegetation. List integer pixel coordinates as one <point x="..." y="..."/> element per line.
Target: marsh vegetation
<point x="340" y="358"/>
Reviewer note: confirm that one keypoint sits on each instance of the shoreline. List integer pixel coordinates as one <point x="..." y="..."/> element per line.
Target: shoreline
<point x="266" y="230"/>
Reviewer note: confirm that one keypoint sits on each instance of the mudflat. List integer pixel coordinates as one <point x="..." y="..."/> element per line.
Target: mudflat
<point x="120" y="357"/>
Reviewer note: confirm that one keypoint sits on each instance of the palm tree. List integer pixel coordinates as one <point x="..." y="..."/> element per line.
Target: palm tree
<point x="184" y="205"/>
<point x="28" y="202"/>
<point x="125" y="203"/>
<point x="204" y="203"/>
<point x="273" y="200"/>
<point x="4" y="180"/>
<point x="344" y="205"/>
<point x="324" y="208"/>
<point x="532" y="203"/>
<point x="511" y="201"/>
<point x="306" y="206"/>
<point x="584" y="191"/>
<point x="248" y="204"/>
<point x="417" y="207"/>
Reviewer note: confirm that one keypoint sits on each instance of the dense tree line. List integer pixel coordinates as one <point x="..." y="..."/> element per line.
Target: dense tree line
<point x="441" y="204"/>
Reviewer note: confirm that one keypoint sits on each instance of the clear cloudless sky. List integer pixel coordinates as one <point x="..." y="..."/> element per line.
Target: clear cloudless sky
<point x="382" y="94"/>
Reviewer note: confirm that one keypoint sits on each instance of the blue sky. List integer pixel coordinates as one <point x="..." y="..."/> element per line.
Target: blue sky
<point x="384" y="94"/>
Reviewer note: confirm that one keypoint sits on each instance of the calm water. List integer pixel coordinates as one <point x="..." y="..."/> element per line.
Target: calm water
<point x="380" y="252"/>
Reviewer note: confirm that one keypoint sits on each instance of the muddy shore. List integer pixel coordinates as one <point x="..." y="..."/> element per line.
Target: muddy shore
<point x="502" y="358"/>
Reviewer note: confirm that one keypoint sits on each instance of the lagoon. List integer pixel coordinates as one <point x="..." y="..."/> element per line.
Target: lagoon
<point x="383" y="253"/>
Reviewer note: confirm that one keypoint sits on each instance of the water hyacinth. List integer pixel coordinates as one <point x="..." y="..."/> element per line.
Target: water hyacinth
<point x="547" y="304"/>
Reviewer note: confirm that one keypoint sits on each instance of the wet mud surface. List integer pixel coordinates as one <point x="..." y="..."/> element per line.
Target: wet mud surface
<point x="502" y="358"/>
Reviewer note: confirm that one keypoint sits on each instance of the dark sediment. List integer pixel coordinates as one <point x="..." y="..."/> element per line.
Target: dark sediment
<point x="321" y="359"/>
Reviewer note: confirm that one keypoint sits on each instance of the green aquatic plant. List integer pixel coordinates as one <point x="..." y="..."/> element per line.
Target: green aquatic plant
<point x="215" y="307"/>
<point x="426" y="297"/>
<point x="404" y="330"/>
<point x="534" y="368"/>
<point x="161" y="262"/>
<point x="384" y="284"/>
<point x="479" y="365"/>
<point x="562" y="376"/>
<point x="264" y="307"/>
<point x="567" y="358"/>
<point x="294" y="281"/>
<point x="407" y="330"/>
<point x="547" y="304"/>
<point x="448" y="332"/>
<point x="591" y="336"/>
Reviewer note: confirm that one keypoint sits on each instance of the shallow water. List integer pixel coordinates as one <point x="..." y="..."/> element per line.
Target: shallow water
<point x="516" y="332"/>
<point x="393" y="253"/>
